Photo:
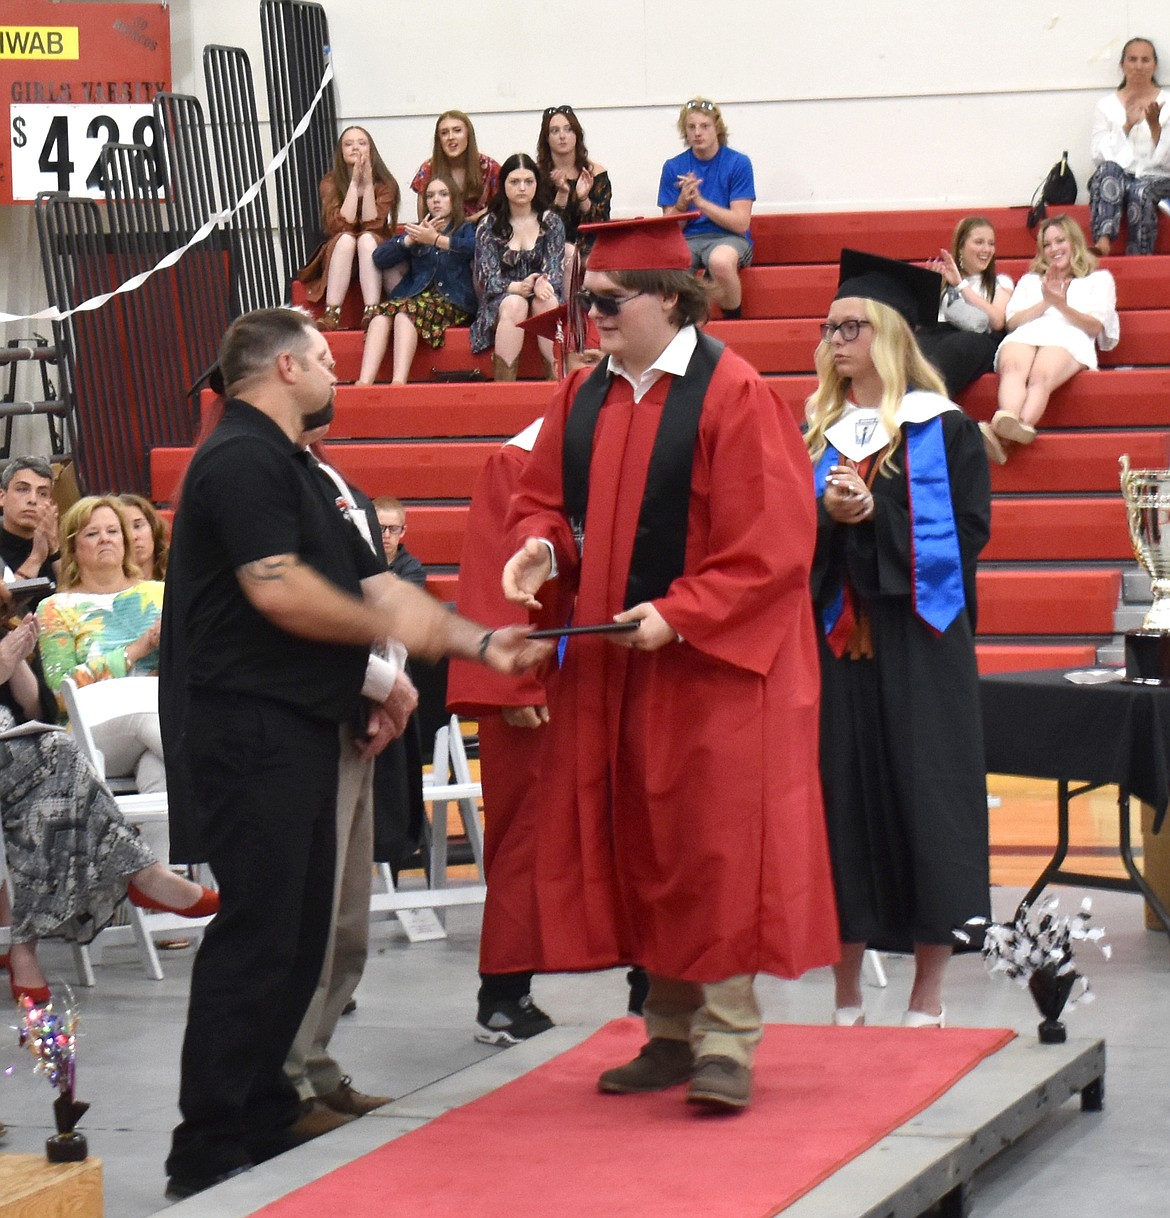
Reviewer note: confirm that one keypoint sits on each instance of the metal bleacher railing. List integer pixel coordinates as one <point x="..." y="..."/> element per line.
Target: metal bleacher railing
<point x="296" y="47"/>
<point x="131" y="368"/>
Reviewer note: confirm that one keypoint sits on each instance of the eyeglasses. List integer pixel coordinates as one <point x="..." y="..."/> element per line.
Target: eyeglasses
<point x="558" y="110"/>
<point x="848" y="329"/>
<point x="698" y="103"/>
<point x="393" y="529"/>
<point x="607" y="306"/>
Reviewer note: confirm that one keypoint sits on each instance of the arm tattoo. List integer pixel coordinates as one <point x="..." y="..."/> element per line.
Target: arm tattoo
<point x="266" y="570"/>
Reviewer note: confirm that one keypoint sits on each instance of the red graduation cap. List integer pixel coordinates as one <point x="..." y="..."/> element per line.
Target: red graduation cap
<point x="647" y="243"/>
<point x="544" y="325"/>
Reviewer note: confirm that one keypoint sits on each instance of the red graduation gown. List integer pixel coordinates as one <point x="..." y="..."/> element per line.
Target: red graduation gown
<point x="678" y="822"/>
<point x="508" y="756"/>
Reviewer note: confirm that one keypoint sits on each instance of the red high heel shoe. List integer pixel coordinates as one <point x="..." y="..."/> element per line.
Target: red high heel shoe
<point x="207" y="904"/>
<point x="38" y="995"/>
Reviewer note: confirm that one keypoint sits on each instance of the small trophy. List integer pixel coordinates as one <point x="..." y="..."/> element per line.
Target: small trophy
<point x="1147" y="504"/>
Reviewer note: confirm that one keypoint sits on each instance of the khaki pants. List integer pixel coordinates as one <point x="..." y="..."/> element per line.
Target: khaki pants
<point x="721" y="1018"/>
<point x="309" y="1066"/>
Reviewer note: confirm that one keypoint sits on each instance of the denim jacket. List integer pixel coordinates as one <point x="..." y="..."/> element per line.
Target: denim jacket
<point x="448" y="272"/>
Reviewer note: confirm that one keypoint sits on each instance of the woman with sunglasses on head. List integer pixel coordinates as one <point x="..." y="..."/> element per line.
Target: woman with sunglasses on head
<point x="582" y="193"/>
<point x="719" y="183"/>
<point x="436" y="291"/>
<point x="456" y="156"/>
<point x="1131" y="154"/>
<point x="1061" y="312"/>
<point x="359" y="206"/>
<point x="971" y="314"/>
<point x="519" y="266"/>
<point x="903" y="494"/>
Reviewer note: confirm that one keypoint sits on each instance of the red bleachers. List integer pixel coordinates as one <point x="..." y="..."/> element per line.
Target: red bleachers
<point x="1051" y="574"/>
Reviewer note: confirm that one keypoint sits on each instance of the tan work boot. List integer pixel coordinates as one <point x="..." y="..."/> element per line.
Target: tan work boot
<point x="502" y="371"/>
<point x="721" y="1084"/>
<point x="660" y="1064"/>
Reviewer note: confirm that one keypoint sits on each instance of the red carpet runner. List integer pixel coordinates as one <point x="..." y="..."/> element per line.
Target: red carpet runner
<point x="550" y="1144"/>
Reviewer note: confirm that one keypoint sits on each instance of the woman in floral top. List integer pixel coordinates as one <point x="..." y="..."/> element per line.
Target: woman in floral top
<point x="104" y="623"/>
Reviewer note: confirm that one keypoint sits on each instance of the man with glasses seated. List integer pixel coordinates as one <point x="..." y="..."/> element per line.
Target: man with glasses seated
<point x="717" y="182"/>
<point x="677" y="821"/>
<point x="392" y="521"/>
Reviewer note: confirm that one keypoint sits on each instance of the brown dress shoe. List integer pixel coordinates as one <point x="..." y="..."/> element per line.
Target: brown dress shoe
<point x="660" y="1064"/>
<point x="345" y="1100"/>
<point x="720" y="1084"/>
<point x="317" y="1118"/>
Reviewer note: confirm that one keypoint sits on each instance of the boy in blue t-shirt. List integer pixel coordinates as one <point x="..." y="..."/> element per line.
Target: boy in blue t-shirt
<point x="716" y="181"/>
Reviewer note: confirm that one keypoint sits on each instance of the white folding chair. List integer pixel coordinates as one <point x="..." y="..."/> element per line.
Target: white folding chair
<point x="88" y="706"/>
<point x="448" y="782"/>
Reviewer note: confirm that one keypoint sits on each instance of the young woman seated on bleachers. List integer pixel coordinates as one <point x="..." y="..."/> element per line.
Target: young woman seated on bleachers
<point x="581" y="191"/>
<point x="359" y="208"/>
<point x="71" y="857"/>
<point x="972" y="312"/>
<point x="436" y="291"/>
<point x="519" y="266"/>
<point x="1059" y="314"/>
<point x="456" y="156"/>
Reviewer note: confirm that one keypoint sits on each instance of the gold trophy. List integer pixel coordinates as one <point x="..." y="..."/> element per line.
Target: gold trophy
<point x="1147" y="504"/>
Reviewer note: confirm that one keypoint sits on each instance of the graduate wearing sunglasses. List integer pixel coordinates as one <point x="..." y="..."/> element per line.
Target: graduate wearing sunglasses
<point x="673" y="491"/>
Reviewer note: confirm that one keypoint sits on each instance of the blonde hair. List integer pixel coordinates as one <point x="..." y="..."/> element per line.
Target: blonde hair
<point x="74" y="520"/>
<point x="704" y="105"/>
<point x="899" y="363"/>
<point x="1081" y="263"/>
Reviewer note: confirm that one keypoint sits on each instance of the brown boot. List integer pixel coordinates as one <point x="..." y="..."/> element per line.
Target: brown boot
<point x="660" y="1064"/>
<point x="317" y="1118"/>
<point x="350" y="1102"/>
<point x="720" y="1084"/>
<point x="502" y="371"/>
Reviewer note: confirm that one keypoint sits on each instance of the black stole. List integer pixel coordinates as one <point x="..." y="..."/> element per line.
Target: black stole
<point x="660" y="542"/>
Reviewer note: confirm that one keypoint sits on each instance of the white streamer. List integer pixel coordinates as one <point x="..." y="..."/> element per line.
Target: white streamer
<point x="52" y="313"/>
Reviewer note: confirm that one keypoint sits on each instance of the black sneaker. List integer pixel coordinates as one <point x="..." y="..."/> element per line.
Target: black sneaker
<point x="508" y="1023"/>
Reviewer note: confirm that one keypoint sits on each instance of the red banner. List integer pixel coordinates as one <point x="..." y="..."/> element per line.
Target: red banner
<point x="74" y="77"/>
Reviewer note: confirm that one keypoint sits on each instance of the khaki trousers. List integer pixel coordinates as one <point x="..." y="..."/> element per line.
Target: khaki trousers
<point x="309" y="1065"/>
<point x="720" y="1018"/>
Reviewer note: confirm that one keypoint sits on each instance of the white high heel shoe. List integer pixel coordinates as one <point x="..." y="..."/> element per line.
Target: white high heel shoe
<point x="920" y="1019"/>
<point x="849" y="1017"/>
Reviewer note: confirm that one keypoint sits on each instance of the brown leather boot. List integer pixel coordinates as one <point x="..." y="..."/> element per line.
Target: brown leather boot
<point x="660" y="1064"/>
<point x="502" y="371"/>
<point x="720" y="1084"/>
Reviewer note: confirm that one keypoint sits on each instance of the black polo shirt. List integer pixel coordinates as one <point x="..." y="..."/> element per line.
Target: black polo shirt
<point x="250" y="493"/>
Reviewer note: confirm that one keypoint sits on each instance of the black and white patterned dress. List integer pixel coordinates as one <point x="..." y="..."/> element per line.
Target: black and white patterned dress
<point x="69" y="851"/>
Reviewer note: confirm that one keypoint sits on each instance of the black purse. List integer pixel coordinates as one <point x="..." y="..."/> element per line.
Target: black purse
<point x="1058" y="188"/>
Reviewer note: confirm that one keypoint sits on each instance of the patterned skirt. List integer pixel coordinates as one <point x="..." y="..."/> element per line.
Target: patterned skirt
<point x="430" y="314"/>
<point x="69" y="851"/>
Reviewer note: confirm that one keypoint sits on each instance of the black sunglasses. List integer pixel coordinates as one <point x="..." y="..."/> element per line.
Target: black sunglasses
<point x="607" y="306"/>
<point x="558" y="110"/>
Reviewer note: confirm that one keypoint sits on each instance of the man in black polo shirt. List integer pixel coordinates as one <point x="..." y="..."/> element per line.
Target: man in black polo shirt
<point x="273" y="601"/>
<point x="28" y="538"/>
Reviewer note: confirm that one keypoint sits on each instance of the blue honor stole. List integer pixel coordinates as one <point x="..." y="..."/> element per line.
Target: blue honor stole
<point x="935" y="560"/>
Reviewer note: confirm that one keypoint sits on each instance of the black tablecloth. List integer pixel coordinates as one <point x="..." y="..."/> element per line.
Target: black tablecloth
<point x="1040" y="725"/>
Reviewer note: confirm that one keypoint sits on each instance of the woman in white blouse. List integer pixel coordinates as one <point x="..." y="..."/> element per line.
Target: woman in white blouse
<point x="1131" y="152"/>
<point x="1059" y="314"/>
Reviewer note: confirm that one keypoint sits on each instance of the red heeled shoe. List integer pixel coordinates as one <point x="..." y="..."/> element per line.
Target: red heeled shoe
<point x="207" y="904"/>
<point x="38" y="995"/>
